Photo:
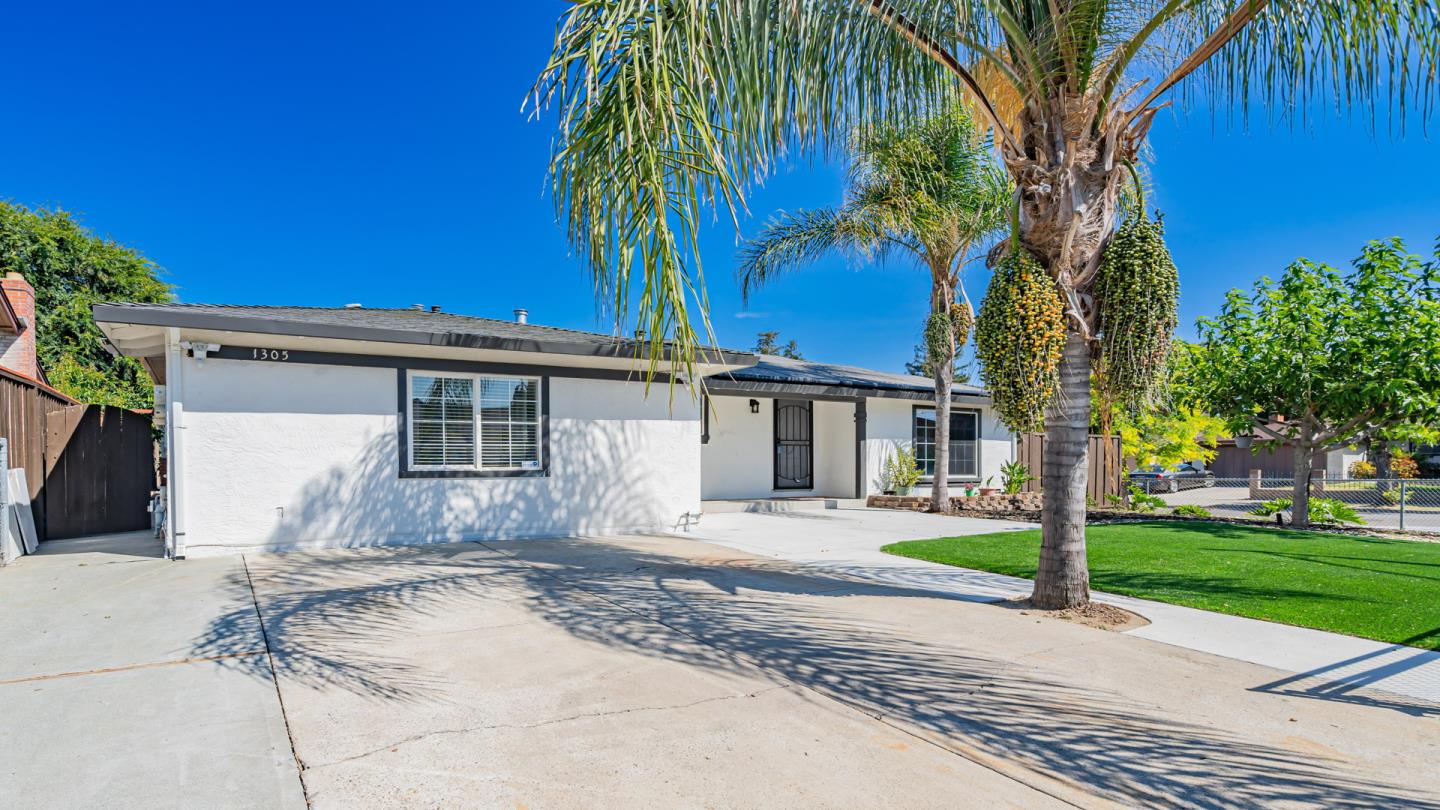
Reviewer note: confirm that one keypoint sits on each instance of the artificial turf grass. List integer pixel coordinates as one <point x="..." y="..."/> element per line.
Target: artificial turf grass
<point x="1387" y="590"/>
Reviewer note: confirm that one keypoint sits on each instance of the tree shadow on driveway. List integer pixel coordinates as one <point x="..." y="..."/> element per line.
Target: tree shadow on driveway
<point x="329" y="618"/>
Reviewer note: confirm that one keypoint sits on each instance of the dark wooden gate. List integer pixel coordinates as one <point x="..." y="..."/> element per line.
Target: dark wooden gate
<point x="1106" y="467"/>
<point x="90" y="468"/>
<point x="101" y="470"/>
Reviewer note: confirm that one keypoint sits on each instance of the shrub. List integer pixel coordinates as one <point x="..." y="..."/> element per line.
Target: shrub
<point x="1404" y="465"/>
<point x="1271" y="508"/>
<point x="1191" y="510"/>
<point x="1013" y="477"/>
<point x="1362" y="469"/>
<point x="1142" y="501"/>
<point x="1330" y="510"/>
<point x="1392" y="496"/>
<point x="1322" y="510"/>
<point x="901" y="471"/>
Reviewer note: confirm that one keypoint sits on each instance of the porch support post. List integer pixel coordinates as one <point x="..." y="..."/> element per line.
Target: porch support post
<point x="860" y="448"/>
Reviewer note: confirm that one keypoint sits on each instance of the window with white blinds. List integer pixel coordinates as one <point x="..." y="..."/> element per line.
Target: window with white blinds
<point x="474" y="422"/>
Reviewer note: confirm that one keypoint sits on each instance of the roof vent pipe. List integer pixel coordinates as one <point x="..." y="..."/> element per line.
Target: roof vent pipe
<point x="434" y="307"/>
<point x="522" y="316"/>
<point x="352" y="306"/>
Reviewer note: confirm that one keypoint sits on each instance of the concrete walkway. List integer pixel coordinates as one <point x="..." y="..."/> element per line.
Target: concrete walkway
<point x="1324" y="665"/>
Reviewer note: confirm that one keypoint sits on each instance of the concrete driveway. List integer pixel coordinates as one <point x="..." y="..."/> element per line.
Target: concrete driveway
<point x="650" y="672"/>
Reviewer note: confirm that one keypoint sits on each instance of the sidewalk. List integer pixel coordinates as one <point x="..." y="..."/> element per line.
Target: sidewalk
<point x="1325" y="665"/>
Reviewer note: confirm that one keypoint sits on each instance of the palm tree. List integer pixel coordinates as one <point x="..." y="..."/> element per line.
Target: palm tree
<point x="929" y="190"/>
<point x="670" y="108"/>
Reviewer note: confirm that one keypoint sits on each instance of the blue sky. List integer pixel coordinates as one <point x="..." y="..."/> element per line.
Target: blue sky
<point x="314" y="153"/>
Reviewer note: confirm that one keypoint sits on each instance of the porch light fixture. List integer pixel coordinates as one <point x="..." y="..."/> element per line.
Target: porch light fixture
<point x="754" y="406"/>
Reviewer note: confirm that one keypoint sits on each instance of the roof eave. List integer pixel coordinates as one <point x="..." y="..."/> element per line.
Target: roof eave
<point x="723" y="385"/>
<point x="622" y="349"/>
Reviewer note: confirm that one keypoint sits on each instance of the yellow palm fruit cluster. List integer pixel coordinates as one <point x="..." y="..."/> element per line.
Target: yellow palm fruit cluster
<point x="1019" y="337"/>
<point x="1136" y="292"/>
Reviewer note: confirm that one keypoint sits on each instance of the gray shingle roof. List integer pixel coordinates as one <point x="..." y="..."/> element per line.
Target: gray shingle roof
<point x="387" y="325"/>
<point x="423" y="327"/>
<point x="774" y="369"/>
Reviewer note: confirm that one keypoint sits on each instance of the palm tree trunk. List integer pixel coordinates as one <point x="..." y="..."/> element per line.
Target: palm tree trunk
<point x="1063" y="577"/>
<point x="942" y="296"/>
<point x="1300" y="493"/>
<point x="944" y="379"/>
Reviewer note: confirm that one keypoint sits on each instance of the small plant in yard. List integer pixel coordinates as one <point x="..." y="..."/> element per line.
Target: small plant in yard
<point x="1322" y="510"/>
<point x="1272" y="507"/>
<point x="1362" y="469"/>
<point x="901" y="471"/>
<point x="1330" y="510"/>
<point x="1393" y="497"/>
<point x="1013" y="477"/>
<point x="1191" y="510"/>
<point x="1140" y="500"/>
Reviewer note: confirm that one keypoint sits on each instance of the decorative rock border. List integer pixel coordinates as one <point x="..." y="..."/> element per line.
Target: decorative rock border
<point x="1024" y="502"/>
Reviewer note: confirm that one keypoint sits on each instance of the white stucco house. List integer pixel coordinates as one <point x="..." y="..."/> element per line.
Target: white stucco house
<point x="298" y="427"/>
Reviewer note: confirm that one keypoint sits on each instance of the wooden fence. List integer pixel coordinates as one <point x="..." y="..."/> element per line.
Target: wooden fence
<point x="90" y="468"/>
<point x="1107" y="468"/>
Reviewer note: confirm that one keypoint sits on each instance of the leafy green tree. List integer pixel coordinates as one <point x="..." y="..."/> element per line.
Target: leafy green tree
<point x="929" y="191"/>
<point x="669" y="109"/>
<point x="70" y="269"/>
<point x="1338" y="357"/>
<point x="769" y="343"/>
<point x="1169" y="430"/>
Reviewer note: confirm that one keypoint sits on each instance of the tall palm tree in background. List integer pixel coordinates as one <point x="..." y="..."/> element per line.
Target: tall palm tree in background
<point x="667" y="108"/>
<point x="929" y="190"/>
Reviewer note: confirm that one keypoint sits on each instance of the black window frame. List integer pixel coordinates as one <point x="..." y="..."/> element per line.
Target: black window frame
<point x="953" y="478"/>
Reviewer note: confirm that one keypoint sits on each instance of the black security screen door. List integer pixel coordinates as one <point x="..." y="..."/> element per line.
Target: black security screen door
<point x="794" y="451"/>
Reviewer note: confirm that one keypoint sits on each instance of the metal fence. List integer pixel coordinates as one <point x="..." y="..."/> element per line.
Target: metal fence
<point x="1391" y="504"/>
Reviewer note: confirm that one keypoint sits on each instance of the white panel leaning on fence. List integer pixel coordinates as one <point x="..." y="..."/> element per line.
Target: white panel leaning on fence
<point x="17" y="524"/>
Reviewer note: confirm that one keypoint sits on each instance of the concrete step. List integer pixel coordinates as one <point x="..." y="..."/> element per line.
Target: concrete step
<point x="780" y="505"/>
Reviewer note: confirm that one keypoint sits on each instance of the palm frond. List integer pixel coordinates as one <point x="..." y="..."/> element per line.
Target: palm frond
<point x="670" y="108"/>
<point x="791" y="240"/>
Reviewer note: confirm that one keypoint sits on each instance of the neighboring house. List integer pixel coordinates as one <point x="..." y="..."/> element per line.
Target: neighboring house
<point x="295" y="427"/>
<point x="17" y="329"/>
<point x="1278" y="461"/>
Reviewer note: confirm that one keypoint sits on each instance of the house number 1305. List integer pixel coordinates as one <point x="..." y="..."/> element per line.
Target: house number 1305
<point x="270" y="354"/>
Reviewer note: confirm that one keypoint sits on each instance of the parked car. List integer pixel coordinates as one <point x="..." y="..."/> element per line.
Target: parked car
<point x="1156" y="478"/>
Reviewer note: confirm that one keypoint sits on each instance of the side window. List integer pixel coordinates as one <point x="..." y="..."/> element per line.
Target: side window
<point x="471" y="422"/>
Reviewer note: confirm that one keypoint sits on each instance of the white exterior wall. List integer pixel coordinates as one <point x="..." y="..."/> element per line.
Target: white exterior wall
<point x="285" y="456"/>
<point x="889" y="424"/>
<point x="1337" y="462"/>
<point x="739" y="461"/>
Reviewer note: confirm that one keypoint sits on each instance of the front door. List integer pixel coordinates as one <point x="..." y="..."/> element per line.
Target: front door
<point x="794" y="449"/>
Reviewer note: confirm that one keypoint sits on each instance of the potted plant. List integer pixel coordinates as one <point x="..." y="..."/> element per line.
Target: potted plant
<point x="987" y="489"/>
<point x="901" y="471"/>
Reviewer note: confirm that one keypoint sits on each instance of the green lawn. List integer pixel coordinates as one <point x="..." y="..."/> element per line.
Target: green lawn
<point x="1388" y="590"/>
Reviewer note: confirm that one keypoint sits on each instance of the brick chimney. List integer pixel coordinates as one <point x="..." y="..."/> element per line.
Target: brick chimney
<point x="17" y="348"/>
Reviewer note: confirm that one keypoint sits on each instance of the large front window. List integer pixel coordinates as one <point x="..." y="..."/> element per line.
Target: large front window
<point x="474" y="422"/>
<point x="964" y="442"/>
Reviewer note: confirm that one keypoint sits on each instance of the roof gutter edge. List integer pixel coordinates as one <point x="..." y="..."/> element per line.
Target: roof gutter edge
<point x="110" y="313"/>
